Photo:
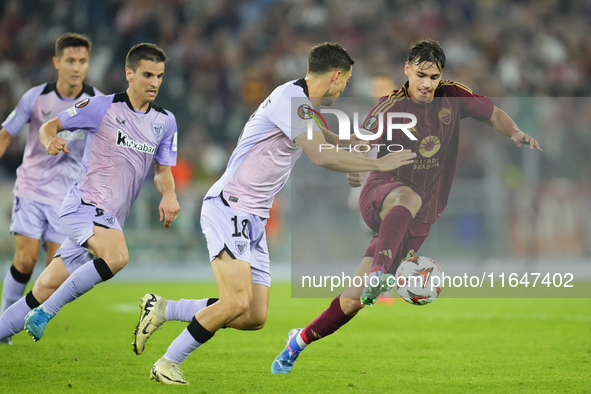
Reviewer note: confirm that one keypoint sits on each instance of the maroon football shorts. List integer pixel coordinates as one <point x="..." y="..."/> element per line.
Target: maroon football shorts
<point x="372" y="196"/>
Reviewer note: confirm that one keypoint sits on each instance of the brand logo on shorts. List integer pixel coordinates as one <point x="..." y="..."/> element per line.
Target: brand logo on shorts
<point x="241" y="246"/>
<point x="110" y="220"/>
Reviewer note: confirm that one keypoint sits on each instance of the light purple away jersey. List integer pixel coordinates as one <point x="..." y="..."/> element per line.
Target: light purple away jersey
<point x="121" y="147"/>
<point x="261" y="163"/>
<point x="41" y="177"/>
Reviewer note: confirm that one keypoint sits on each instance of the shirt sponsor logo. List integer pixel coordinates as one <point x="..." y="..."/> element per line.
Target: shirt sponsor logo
<point x="82" y="104"/>
<point x="429" y="146"/>
<point x="110" y="219"/>
<point x="126" y="142"/>
<point x="72" y="112"/>
<point x="158" y="128"/>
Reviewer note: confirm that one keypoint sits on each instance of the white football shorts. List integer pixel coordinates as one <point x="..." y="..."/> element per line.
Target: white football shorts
<point x="240" y="234"/>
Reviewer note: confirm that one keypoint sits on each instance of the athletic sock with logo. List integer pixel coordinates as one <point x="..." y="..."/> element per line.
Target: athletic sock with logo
<point x="392" y="231"/>
<point x="328" y="322"/>
<point x="80" y="282"/>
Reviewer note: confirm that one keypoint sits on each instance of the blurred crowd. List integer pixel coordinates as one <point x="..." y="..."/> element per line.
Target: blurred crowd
<point x="226" y="56"/>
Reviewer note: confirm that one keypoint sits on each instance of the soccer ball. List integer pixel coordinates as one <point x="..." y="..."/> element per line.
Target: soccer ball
<point x="419" y="280"/>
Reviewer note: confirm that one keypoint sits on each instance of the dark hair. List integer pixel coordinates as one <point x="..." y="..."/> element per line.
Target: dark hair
<point x="144" y="51"/>
<point x="71" y="40"/>
<point x="329" y="56"/>
<point x="429" y="51"/>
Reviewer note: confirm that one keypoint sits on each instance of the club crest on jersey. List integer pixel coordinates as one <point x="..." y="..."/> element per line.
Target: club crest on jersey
<point x="158" y="129"/>
<point x="304" y="111"/>
<point x="241" y="246"/>
<point x="82" y="104"/>
<point x="445" y="115"/>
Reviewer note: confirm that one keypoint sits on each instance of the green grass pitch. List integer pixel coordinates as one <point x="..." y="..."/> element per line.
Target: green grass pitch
<point x="450" y="346"/>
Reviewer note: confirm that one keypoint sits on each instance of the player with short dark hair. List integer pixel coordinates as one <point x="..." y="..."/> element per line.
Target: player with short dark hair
<point x="73" y="40"/>
<point x="42" y="181"/>
<point x="401" y="205"/>
<point x="128" y="133"/>
<point x="236" y="209"/>
<point x="144" y="51"/>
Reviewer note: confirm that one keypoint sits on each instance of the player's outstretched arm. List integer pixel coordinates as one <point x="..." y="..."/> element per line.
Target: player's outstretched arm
<point x="333" y="139"/>
<point x="5" y="139"/>
<point x="327" y="156"/>
<point x="169" y="207"/>
<point x="48" y="137"/>
<point x="502" y="123"/>
<point x="357" y="179"/>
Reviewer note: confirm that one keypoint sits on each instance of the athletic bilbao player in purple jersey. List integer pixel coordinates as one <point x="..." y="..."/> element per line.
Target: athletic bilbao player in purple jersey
<point x="401" y="205"/>
<point x="127" y="133"/>
<point x="236" y="209"/>
<point x="42" y="181"/>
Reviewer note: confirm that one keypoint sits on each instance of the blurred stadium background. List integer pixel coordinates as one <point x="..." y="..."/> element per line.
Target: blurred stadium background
<point x="507" y="205"/>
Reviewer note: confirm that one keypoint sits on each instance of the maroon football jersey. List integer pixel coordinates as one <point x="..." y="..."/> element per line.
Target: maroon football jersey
<point x="437" y="133"/>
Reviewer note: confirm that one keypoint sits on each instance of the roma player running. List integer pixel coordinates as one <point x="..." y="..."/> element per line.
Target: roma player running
<point x="401" y="205"/>
<point x="42" y="181"/>
<point x="128" y="133"/>
<point x="236" y="209"/>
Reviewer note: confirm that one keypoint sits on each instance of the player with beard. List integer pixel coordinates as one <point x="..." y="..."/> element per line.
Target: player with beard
<point x="401" y="205"/>
<point x="236" y="209"/>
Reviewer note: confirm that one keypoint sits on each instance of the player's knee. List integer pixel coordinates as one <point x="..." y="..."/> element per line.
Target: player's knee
<point x="24" y="262"/>
<point x="413" y="202"/>
<point x="117" y="260"/>
<point x="406" y="197"/>
<point x="43" y="289"/>
<point x="351" y="306"/>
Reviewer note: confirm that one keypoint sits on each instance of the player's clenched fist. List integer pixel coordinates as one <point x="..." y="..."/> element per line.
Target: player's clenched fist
<point x="396" y="159"/>
<point x="169" y="209"/>
<point x="56" y="145"/>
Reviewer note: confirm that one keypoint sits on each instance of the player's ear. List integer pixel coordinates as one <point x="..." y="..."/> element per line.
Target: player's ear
<point x="336" y="75"/>
<point x="128" y="74"/>
<point x="407" y="69"/>
<point x="55" y="61"/>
